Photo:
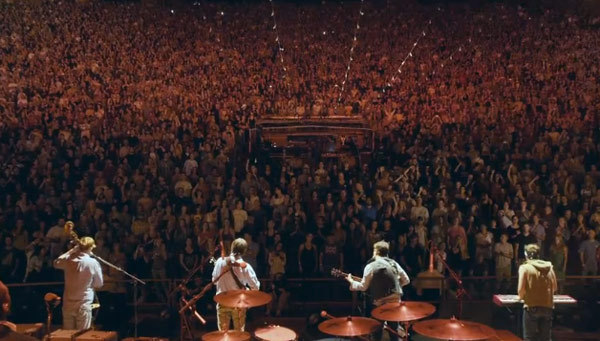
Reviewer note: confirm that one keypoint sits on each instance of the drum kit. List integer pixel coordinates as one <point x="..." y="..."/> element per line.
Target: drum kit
<point x="245" y="299"/>
<point x="405" y="312"/>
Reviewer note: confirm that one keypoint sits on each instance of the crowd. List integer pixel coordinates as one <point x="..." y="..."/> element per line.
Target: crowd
<point x="131" y="121"/>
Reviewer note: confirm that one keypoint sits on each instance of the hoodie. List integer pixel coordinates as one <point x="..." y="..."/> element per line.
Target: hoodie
<point x="537" y="283"/>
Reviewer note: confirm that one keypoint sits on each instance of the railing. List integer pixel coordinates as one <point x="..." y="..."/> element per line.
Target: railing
<point x="330" y="289"/>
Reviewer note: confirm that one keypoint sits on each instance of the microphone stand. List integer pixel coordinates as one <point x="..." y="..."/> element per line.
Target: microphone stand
<point x="135" y="284"/>
<point x="461" y="292"/>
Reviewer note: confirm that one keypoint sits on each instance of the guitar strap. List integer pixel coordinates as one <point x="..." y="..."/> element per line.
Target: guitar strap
<point x="392" y="265"/>
<point x="236" y="279"/>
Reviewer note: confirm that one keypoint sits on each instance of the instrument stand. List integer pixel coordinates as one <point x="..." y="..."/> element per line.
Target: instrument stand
<point x="203" y="291"/>
<point x="184" y="323"/>
<point x="405" y="325"/>
<point x="49" y="308"/>
<point x="135" y="283"/>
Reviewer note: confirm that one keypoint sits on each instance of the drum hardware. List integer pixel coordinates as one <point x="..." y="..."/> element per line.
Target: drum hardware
<point x="403" y="312"/>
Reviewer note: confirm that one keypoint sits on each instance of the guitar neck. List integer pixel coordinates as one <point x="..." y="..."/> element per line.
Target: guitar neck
<point x="340" y="274"/>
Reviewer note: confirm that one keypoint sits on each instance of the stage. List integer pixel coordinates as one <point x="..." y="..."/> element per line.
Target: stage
<point x="330" y="137"/>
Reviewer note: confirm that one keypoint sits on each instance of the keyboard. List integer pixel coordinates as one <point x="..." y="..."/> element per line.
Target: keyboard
<point x="514" y="300"/>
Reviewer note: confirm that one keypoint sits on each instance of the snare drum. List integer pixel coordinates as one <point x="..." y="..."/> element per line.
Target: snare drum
<point x="275" y="333"/>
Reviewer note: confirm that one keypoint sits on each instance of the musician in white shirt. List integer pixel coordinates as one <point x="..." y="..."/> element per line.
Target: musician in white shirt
<point x="240" y="277"/>
<point x="83" y="274"/>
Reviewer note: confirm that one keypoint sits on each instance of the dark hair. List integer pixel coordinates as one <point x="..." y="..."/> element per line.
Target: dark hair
<point x="382" y="248"/>
<point x="239" y="246"/>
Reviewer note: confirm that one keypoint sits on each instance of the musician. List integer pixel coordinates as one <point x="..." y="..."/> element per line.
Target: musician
<point x="8" y="330"/>
<point x="83" y="274"/>
<point x="537" y="285"/>
<point x="383" y="278"/>
<point x="240" y="277"/>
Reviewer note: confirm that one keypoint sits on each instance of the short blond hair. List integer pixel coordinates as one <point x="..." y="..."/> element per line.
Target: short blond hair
<point x="87" y="244"/>
<point x="239" y="246"/>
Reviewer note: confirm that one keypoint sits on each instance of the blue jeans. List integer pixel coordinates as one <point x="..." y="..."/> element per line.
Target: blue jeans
<point x="537" y="324"/>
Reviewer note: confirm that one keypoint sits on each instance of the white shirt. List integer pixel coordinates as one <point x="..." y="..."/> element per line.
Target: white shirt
<point x="226" y="283"/>
<point x="83" y="274"/>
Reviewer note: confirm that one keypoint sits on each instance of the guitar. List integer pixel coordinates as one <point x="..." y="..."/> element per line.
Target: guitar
<point x="362" y="296"/>
<point x="340" y="274"/>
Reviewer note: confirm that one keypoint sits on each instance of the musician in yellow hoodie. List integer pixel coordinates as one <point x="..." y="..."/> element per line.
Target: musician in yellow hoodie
<point x="537" y="285"/>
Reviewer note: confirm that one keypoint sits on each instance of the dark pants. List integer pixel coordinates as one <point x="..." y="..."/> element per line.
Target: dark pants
<point x="537" y="324"/>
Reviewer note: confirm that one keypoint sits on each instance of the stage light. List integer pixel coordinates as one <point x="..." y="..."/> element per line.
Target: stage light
<point x="350" y="57"/>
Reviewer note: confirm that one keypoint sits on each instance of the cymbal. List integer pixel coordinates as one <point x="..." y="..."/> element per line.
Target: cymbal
<point x="349" y="326"/>
<point x="275" y="333"/>
<point x="454" y="329"/>
<point x="230" y="335"/>
<point x="242" y="298"/>
<point x="403" y="311"/>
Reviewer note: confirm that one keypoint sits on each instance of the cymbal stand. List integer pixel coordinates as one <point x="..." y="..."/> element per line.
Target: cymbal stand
<point x="395" y="332"/>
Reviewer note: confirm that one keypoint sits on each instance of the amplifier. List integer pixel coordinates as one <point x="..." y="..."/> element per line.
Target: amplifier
<point x="95" y="335"/>
<point x="64" y="335"/>
<point x="31" y="329"/>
